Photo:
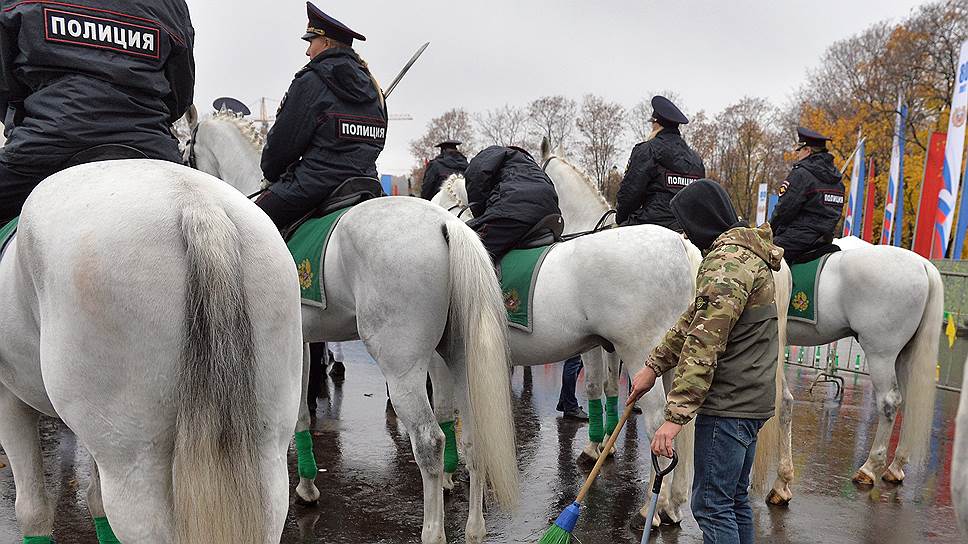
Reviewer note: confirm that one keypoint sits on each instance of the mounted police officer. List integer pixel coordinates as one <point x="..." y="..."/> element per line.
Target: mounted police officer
<point x="86" y="74"/>
<point x="811" y="201"/>
<point x="657" y="170"/>
<point x="330" y="127"/>
<point x="508" y="194"/>
<point x="450" y="161"/>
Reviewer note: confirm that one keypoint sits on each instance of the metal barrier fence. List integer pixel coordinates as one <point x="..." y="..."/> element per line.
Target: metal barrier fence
<point x="847" y="356"/>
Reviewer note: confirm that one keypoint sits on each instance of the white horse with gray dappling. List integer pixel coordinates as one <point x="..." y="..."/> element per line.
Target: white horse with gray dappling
<point x="959" y="460"/>
<point x="376" y="266"/>
<point x="155" y="312"/>
<point x="899" y="334"/>
<point x="618" y="288"/>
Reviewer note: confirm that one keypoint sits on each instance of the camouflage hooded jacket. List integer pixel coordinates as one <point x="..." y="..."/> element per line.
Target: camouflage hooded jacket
<point x="724" y="347"/>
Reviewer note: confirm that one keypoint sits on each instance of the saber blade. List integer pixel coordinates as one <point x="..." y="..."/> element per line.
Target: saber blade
<point x="406" y="69"/>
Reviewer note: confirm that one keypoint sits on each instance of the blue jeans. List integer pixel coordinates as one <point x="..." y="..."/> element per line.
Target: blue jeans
<point x="567" y="402"/>
<point x="724" y="456"/>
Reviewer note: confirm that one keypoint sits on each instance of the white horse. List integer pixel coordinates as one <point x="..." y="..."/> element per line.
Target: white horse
<point x="619" y="288"/>
<point x="125" y="315"/>
<point x="959" y="460"/>
<point x="899" y="334"/>
<point x="376" y="269"/>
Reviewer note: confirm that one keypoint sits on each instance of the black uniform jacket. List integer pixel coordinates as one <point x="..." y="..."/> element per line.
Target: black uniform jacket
<point x="504" y="183"/>
<point x="445" y="165"/>
<point x="331" y="126"/>
<point x="657" y="170"/>
<point x="811" y="199"/>
<point x="91" y="72"/>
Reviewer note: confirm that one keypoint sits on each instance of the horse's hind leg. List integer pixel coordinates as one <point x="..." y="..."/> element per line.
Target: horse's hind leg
<point x="20" y="438"/>
<point x="595" y="375"/>
<point x="148" y="473"/>
<point x="408" y="389"/>
<point x="781" y="494"/>
<point x="475" y="530"/>
<point x="95" y="504"/>
<point x="888" y="398"/>
<point x="306" y="491"/>
<point x="445" y="410"/>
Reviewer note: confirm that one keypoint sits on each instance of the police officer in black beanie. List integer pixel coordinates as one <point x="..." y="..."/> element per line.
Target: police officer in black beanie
<point x="657" y="170"/>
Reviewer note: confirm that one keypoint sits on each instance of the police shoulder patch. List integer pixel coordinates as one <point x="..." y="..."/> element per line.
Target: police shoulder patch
<point x="702" y="302"/>
<point x="783" y="187"/>
<point x="106" y="31"/>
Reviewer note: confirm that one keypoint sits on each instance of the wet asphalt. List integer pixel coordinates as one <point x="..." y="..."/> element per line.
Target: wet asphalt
<point x="371" y="490"/>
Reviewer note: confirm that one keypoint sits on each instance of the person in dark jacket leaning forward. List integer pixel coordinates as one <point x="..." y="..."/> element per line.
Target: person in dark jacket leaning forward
<point x="89" y="73"/>
<point x="331" y="125"/>
<point x="508" y="194"/>
<point x="657" y="170"/>
<point x="724" y="350"/>
<point x="450" y="161"/>
<point x="811" y="200"/>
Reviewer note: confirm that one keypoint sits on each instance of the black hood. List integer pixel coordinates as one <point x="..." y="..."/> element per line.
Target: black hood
<point x="821" y="165"/>
<point x="345" y="74"/>
<point x="454" y="160"/>
<point x="704" y="211"/>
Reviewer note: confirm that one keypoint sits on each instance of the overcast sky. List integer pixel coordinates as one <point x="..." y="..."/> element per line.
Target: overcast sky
<point x="489" y="53"/>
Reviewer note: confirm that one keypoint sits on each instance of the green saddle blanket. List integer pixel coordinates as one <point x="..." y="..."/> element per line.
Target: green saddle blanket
<point x="803" y="297"/>
<point x="519" y="270"/>
<point x="6" y="233"/>
<point x="308" y="247"/>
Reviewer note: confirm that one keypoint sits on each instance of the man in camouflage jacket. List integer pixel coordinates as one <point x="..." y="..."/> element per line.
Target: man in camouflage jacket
<point x="724" y="349"/>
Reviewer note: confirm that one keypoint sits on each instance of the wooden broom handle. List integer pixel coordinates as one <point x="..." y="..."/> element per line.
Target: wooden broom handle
<point x="601" y="458"/>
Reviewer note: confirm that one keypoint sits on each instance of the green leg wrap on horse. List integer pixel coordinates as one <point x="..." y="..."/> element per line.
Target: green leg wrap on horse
<point x="304" y="455"/>
<point x="611" y="415"/>
<point x="450" y="446"/>
<point x="37" y="540"/>
<point x="595" y="431"/>
<point x="104" y="533"/>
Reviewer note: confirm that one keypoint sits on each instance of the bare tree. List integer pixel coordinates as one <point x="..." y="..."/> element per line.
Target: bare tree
<point x="600" y="124"/>
<point x="452" y="125"/>
<point x="552" y="117"/>
<point x="506" y="125"/>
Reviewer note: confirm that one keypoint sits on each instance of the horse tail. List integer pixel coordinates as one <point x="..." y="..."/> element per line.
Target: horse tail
<point x="920" y="358"/>
<point x="768" y="442"/>
<point x="217" y="419"/>
<point x="478" y="318"/>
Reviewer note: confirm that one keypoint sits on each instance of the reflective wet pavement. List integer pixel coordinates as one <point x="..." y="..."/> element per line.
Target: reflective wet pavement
<point x="371" y="487"/>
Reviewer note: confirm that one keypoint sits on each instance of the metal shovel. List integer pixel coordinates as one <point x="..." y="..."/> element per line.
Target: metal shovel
<point x="656" y="487"/>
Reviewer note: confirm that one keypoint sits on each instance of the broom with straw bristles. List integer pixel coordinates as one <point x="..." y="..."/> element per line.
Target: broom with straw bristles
<point x="560" y="532"/>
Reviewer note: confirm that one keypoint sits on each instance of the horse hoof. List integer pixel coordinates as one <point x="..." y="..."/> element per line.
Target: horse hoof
<point x="637" y="523"/>
<point x="308" y="503"/>
<point x="892" y="476"/>
<point x="610" y="453"/>
<point x="448" y="481"/>
<point x="863" y="478"/>
<point x="776" y="499"/>
<point x="667" y="519"/>
<point x="586" y="459"/>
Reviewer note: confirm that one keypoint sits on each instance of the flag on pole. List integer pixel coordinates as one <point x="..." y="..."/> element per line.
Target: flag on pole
<point x="925" y="242"/>
<point x="867" y="233"/>
<point x="954" y="150"/>
<point x="895" y="181"/>
<point x="855" y="201"/>
<point x="761" y="205"/>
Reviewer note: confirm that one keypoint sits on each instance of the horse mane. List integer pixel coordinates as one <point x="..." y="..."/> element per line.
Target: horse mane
<point x="586" y="178"/>
<point x="246" y="128"/>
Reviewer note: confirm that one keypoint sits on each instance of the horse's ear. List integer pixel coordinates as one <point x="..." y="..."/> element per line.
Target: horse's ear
<point x="545" y="148"/>
<point x="560" y="152"/>
<point x="191" y="117"/>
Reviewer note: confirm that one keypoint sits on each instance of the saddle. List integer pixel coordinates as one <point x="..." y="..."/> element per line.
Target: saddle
<point x="104" y="152"/>
<point x="351" y="192"/>
<point x="544" y="233"/>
